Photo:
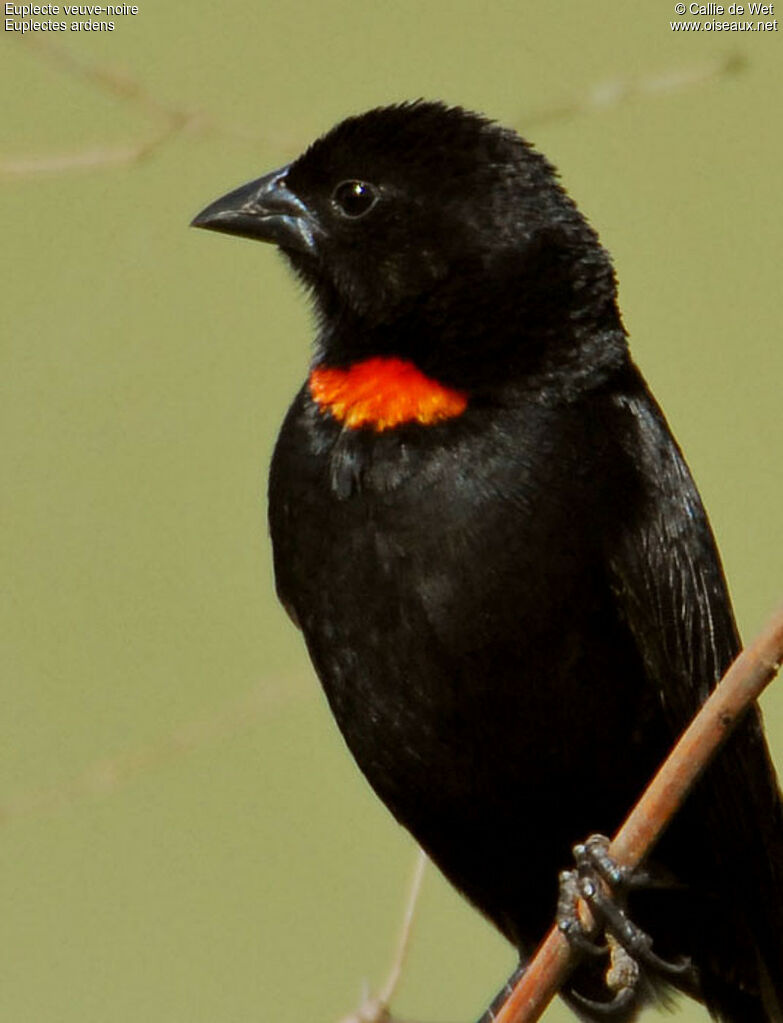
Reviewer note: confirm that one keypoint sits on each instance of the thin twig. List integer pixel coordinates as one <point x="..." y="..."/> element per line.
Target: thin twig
<point x="403" y="945"/>
<point x="375" y="1008"/>
<point x="752" y="671"/>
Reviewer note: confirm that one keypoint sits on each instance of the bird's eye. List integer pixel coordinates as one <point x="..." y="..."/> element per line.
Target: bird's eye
<point x="354" y="198"/>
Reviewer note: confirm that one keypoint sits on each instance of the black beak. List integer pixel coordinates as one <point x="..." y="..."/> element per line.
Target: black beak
<point x="267" y="210"/>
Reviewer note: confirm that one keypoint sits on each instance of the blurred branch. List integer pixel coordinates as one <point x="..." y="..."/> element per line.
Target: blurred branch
<point x="86" y="159"/>
<point x="171" y="120"/>
<point x="616" y="91"/>
<point x="105" y="776"/>
<point x="750" y="673"/>
<point x="108" y="80"/>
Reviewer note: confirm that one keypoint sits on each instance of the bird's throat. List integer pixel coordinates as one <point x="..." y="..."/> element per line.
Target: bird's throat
<point x="381" y="393"/>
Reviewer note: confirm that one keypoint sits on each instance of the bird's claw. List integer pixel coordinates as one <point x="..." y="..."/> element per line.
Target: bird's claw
<point x="614" y="919"/>
<point x="592" y="857"/>
<point x="621" y="1001"/>
<point x="601" y="883"/>
<point x="569" y="922"/>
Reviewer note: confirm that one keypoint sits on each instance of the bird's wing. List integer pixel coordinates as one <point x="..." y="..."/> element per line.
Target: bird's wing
<point x="669" y="589"/>
<point x="664" y="567"/>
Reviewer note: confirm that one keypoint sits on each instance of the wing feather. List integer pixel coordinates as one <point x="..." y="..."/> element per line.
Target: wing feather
<point x="670" y="590"/>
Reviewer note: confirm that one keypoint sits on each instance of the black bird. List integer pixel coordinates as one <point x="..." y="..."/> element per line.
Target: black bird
<point x="495" y="551"/>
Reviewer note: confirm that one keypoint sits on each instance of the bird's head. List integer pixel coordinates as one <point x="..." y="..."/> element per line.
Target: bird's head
<point x="422" y="225"/>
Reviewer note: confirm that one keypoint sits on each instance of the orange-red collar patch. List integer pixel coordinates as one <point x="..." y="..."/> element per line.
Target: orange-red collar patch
<point x="383" y="393"/>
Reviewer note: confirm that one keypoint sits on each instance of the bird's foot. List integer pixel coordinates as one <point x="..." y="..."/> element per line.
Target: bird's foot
<point x="591" y="902"/>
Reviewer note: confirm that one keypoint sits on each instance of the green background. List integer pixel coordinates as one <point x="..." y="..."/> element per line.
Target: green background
<point x="184" y="837"/>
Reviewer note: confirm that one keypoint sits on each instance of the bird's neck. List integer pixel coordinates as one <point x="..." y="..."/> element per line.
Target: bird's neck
<point x="383" y="392"/>
<point x="425" y="367"/>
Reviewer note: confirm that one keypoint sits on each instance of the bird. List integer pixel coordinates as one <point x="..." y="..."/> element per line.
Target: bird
<point x="496" y="553"/>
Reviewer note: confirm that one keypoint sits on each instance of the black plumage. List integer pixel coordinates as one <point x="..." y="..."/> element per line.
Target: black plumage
<point x="516" y="606"/>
